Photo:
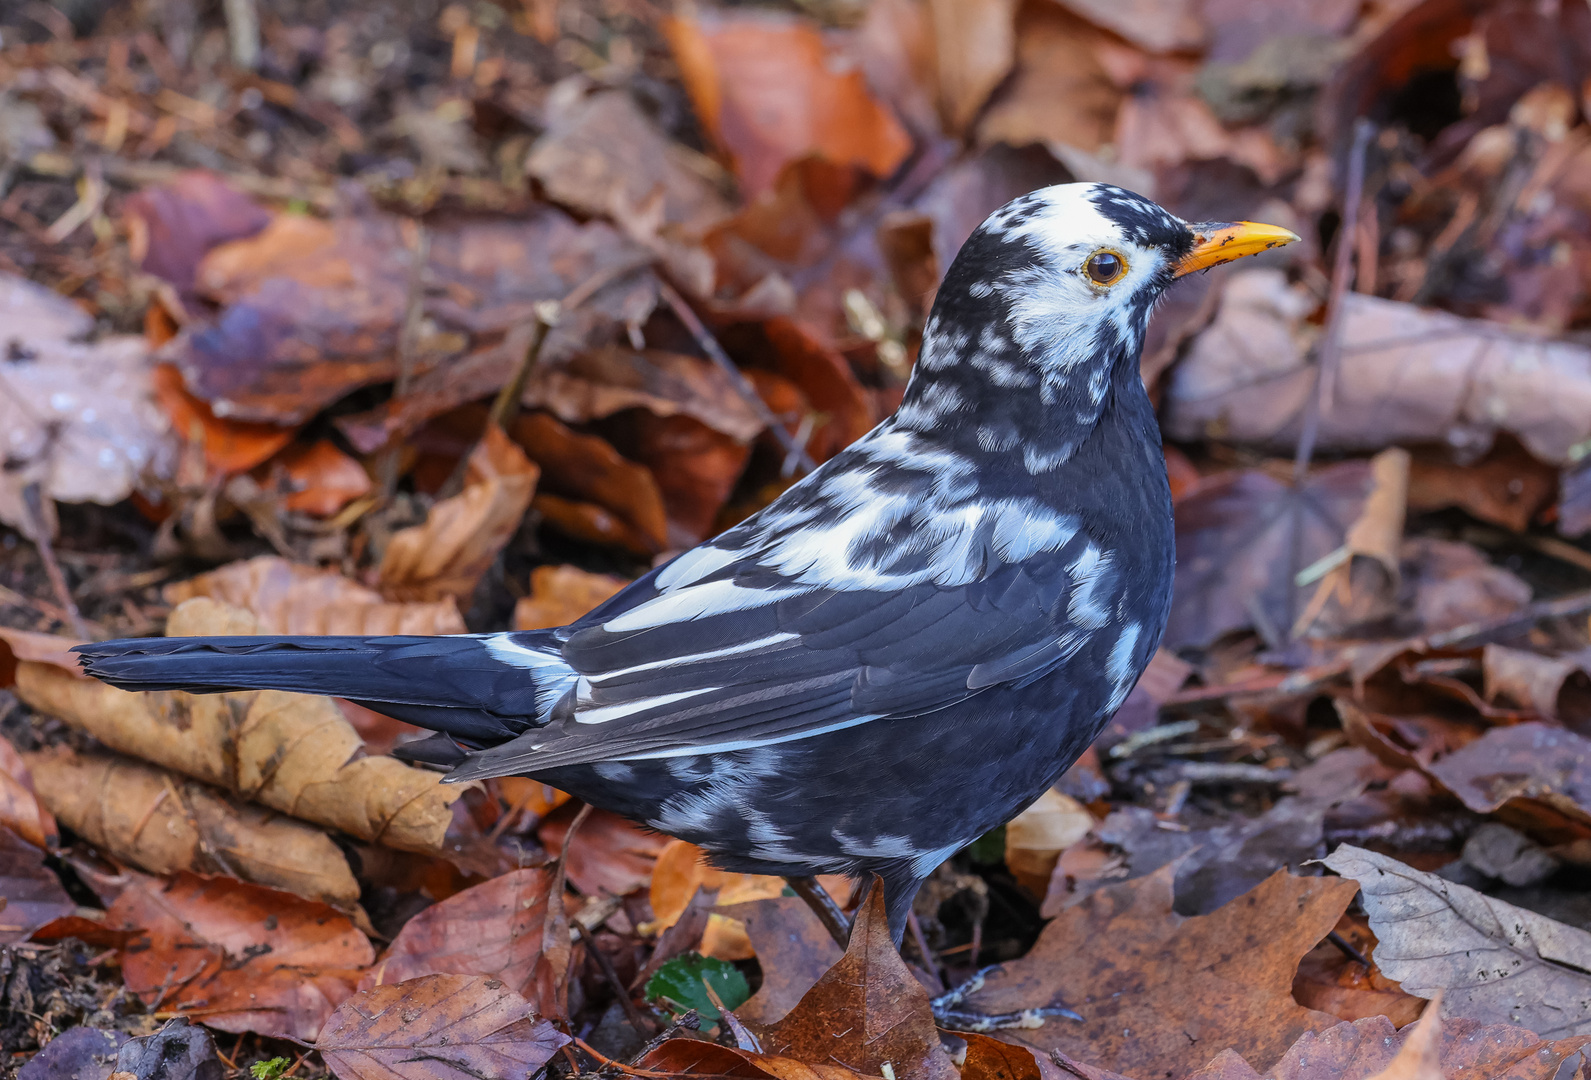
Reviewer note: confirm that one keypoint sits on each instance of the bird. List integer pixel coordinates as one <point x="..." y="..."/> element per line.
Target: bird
<point x="895" y="656"/>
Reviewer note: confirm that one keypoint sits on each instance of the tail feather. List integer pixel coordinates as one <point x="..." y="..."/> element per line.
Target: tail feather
<point x="480" y="689"/>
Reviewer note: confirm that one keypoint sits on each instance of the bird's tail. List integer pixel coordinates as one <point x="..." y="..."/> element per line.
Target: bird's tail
<point x="477" y="689"/>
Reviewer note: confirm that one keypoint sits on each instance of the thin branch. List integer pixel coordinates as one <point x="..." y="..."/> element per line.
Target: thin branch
<point x="715" y="352"/>
<point x="38" y="525"/>
<point x="642" y="1026"/>
<point x="1341" y="279"/>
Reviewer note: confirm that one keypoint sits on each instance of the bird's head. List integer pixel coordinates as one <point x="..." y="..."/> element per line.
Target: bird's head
<point x="1051" y="295"/>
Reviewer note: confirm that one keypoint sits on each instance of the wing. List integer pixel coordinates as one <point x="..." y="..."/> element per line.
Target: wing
<point x="717" y="652"/>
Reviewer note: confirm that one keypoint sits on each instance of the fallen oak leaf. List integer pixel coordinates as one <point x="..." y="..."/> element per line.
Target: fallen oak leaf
<point x="1497" y="962"/>
<point x="164" y="823"/>
<point x="240" y="957"/>
<point x="1153" y="987"/>
<point x="867" y="1011"/>
<point x="292" y="752"/>
<point x="438" y="1027"/>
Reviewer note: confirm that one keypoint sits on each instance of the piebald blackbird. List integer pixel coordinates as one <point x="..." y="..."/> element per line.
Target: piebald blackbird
<point x="896" y="655"/>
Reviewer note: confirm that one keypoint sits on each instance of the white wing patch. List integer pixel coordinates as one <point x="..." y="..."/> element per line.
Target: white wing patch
<point x="1120" y="665"/>
<point x="552" y="675"/>
<point x="694" y="602"/>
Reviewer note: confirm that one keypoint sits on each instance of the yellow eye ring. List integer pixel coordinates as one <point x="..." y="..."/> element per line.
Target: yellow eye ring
<point x="1105" y="267"/>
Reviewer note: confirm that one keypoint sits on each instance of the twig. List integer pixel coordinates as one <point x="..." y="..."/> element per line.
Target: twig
<point x="824" y="907"/>
<point x="628" y="1070"/>
<point x="642" y="1026"/>
<point x="506" y="405"/>
<point x="929" y="966"/>
<point x="408" y="345"/>
<point x="1345" y="947"/>
<point x="1341" y="278"/>
<point x="1330" y="354"/>
<point x="743" y="1036"/>
<point x="794" y="452"/>
<point x="32" y="500"/>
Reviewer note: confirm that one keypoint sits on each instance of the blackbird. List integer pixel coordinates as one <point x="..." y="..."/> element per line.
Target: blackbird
<point x="900" y="652"/>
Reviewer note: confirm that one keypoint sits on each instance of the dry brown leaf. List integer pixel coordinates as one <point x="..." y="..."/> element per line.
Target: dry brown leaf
<point x="440" y="1027"/>
<point x="1497" y="963"/>
<point x="313" y="309"/>
<point x="1419" y="1058"/>
<point x="1155" y="989"/>
<point x="1361" y="585"/>
<point x="290" y="598"/>
<point x="171" y="227"/>
<point x="1507" y="487"/>
<point x="1035" y="838"/>
<point x="602" y="382"/>
<point x="21" y="809"/>
<point x="1329" y="981"/>
<point x="462" y="536"/>
<point x="792" y="948"/>
<point x="321" y="479"/>
<point x="824" y="376"/>
<point x="1463" y="1050"/>
<point x="587" y="468"/>
<point x="601" y="155"/>
<point x="866" y="1010"/>
<point x="696" y="470"/>
<point x="974" y="43"/>
<point x="1557" y="687"/>
<point x="1238" y="536"/>
<point x="292" y="752"/>
<point x="769" y="91"/>
<point x="1532" y="773"/>
<point x="611" y="854"/>
<point x="1407" y="375"/>
<point x="682" y="868"/>
<point x="697" y="1057"/>
<point x="591" y="523"/>
<point x="229" y="446"/>
<point x="31" y="893"/>
<point x="1156" y="25"/>
<point x="79" y="419"/>
<point x="164" y="823"/>
<point x="561" y="594"/>
<point x="1061" y="94"/>
<point x="493" y="929"/>
<point x="238" y="957"/>
<point x="1454" y="584"/>
<point x="990" y="1059"/>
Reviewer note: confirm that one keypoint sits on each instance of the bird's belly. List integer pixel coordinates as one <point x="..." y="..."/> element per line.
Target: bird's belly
<point x="880" y="797"/>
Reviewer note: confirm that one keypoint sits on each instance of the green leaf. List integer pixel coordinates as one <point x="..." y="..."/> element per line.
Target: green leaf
<point x="269" y="1070"/>
<point x="681" y="979"/>
<point x="988" y="848"/>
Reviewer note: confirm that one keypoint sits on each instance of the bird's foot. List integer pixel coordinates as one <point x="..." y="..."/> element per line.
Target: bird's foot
<point x="951" y="1013"/>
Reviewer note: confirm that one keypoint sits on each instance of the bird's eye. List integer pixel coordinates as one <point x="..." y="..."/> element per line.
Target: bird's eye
<point x="1105" y="267"/>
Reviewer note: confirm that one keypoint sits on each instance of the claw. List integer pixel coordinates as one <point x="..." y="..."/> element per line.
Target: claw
<point x="949" y="1015"/>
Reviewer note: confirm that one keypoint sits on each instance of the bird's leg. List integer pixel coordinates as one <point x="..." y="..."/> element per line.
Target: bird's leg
<point x="950" y="1014"/>
<point x="824" y="907"/>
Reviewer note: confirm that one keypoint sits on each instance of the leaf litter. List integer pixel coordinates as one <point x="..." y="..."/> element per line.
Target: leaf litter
<point x="267" y="394"/>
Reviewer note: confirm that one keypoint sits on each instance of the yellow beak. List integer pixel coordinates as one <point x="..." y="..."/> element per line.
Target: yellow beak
<point x="1217" y="242"/>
